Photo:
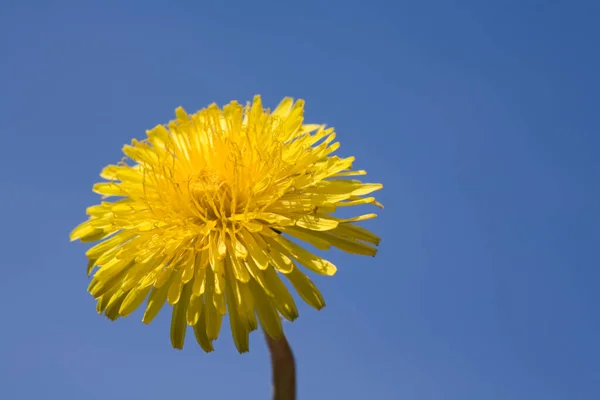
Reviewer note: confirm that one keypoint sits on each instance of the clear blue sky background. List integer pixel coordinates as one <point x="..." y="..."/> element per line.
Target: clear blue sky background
<point x="480" y="118"/>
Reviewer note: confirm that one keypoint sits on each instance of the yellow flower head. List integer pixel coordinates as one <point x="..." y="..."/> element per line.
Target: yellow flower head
<point x="203" y="217"/>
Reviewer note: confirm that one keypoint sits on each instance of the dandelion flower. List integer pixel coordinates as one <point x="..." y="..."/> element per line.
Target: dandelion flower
<point x="206" y="214"/>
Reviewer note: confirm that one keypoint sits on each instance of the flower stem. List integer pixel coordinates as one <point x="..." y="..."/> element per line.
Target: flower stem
<point x="284" y="368"/>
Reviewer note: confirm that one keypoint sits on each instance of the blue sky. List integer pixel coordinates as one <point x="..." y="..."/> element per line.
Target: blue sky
<point x="480" y="119"/>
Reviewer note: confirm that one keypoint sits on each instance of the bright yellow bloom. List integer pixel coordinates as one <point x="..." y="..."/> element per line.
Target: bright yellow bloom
<point x="204" y="212"/>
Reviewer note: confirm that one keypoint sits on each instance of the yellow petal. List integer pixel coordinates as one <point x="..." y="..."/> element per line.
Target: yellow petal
<point x="280" y="261"/>
<point x="156" y="300"/>
<point x="316" y="222"/>
<point x="294" y="120"/>
<point x="306" y="258"/>
<point x="194" y="310"/>
<point x="350" y="173"/>
<point x="122" y="173"/>
<point x="358" y="202"/>
<point x="219" y="276"/>
<point x="175" y="288"/>
<point x="112" y="269"/>
<point x="221" y="246"/>
<point x="187" y="266"/>
<point x="282" y="298"/>
<point x="109" y="244"/>
<point x="99" y="287"/>
<point x="308" y="237"/>
<point x="356" y="232"/>
<point x="247" y="306"/>
<point x="272" y="218"/>
<point x="308" y="128"/>
<point x="219" y="302"/>
<point x="213" y="316"/>
<point x="258" y="275"/>
<point x="87" y="233"/>
<point x="158" y="136"/>
<point x="199" y="284"/>
<point x="133" y="300"/>
<point x="181" y="114"/>
<point x="178" y="318"/>
<point x="98" y="211"/>
<point x="238" y="249"/>
<point x="349" y="245"/>
<point x="90" y="266"/>
<point x="143" y="274"/>
<point x="130" y="249"/>
<point x="239" y="269"/>
<point x="267" y="313"/>
<point x="141" y="153"/>
<point x="108" y="256"/>
<point x="104" y="299"/>
<point x="255" y="249"/>
<point x="239" y="328"/>
<point x="306" y="289"/>
<point x="163" y="276"/>
<point x="359" y="218"/>
<point x="200" y="330"/>
<point x="109" y="189"/>
<point x="340" y="186"/>
<point x="114" y="304"/>
<point x="284" y="108"/>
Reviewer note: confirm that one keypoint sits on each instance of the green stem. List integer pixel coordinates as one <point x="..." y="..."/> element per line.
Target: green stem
<point x="284" y="368"/>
